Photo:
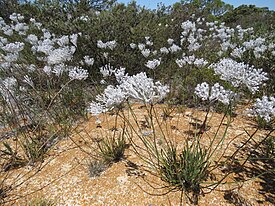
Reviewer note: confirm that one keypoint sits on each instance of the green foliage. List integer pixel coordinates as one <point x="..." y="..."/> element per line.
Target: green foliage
<point x="185" y="171"/>
<point x="269" y="147"/>
<point x="11" y="157"/>
<point x="112" y="148"/>
<point x="96" y="167"/>
<point x="8" y="7"/>
<point x="261" y="19"/>
<point x="41" y="202"/>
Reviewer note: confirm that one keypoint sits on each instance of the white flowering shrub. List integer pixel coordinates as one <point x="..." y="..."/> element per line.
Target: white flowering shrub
<point x="40" y="85"/>
<point x="239" y="74"/>
<point x="138" y="87"/>
<point x="215" y="93"/>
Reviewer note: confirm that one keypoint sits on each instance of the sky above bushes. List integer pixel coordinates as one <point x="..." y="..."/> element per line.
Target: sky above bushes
<point x="152" y="4"/>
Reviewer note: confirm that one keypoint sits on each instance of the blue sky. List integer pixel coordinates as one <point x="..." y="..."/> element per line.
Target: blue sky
<point x="153" y="3"/>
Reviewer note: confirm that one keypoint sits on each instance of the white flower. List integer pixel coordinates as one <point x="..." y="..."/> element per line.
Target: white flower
<point x="58" y="69"/>
<point x="120" y="74"/>
<point x="170" y="41"/>
<point x="28" y="80"/>
<point x="141" y="46"/>
<point x="109" y="44"/>
<point x="106" y="70"/>
<point x="45" y="46"/>
<point x="13" y="47"/>
<point x="149" y="43"/>
<point x="8" y="32"/>
<point x="3" y="41"/>
<point x="140" y="87"/>
<point x="7" y="88"/>
<point x="78" y="73"/>
<point x="164" y="50"/>
<point x="174" y="48"/>
<point x="100" y="44"/>
<point x="11" y="57"/>
<point x="31" y="68"/>
<point x="200" y="62"/>
<point x="63" y="41"/>
<point x="216" y="93"/>
<point x="96" y="108"/>
<point x="112" y="96"/>
<point x="265" y="108"/>
<point x="137" y="87"/>
<point x="47" y="69"/>
<point x="73" y="39"/>
<point x="61" y="55"/>
<point x="47" y="35"/>
<point x="238" y="52"/>
<point x="191" y="60"/>
<point x="152" y="64"/>
<point x="145" y="53"/>
<point x="202" y="91"/>
<point x="83" y="18"/>
<point x="33" y="39"/>
<point x="88" y="60"/>
<point x="188" y="26"/>
<point x="240" y="74"/>
<point x="133" y="45"/>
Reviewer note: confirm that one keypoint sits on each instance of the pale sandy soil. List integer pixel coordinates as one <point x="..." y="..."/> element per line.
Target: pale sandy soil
<point x="64" y="176"/>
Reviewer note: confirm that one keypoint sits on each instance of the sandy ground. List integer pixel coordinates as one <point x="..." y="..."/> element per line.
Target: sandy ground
<point x="64" y="175"/>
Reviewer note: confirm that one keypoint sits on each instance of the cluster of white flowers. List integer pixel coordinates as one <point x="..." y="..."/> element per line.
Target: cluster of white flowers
<point x="215" y="93"/>
<point x="170" y="41"/>
<point x="142" y="47"/>
<point x="58" y="69"/>
<point x="120" y="74"/>
<point x="146" y="52"/>
<point x="152" y="64"/>
<point x="164" y="50"/>
<point x="140" y="87"/>
<point x="133" y="45"/>
<point x="265" y="108"/>
<point x="88" y="60"/>
<point x="188" y="26"/>
<point x="54" y="52"/>
<point x="7" y="88"/>
<point x="16" y="25"/>
<point x="148" y="41"/>
<point x="13" y="47"/>
<point x="107" y="70"/>
<point x="83" y="18"/>
<point x="238" y="52"/>
<point x="191" y="60"/>
<point x="78" y="73"/>
<point x="28" y="81"/>
<point x="191" y="35"/>
<point x="109" y="44"/>
<point x="60" y="55"/>
<point x="258" y="46"/>
<point x="174" y="48"/>
<point x="232" y="41"/>
<point x="240" y="74"/>
<point x="137" y="87"/>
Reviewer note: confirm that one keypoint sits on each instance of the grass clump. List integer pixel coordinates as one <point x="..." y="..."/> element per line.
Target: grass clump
<point x="111" y="149"/>
<point x="185" y="171"/>
<point x="96" y="168"/>
<point x="41" y="202"/>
